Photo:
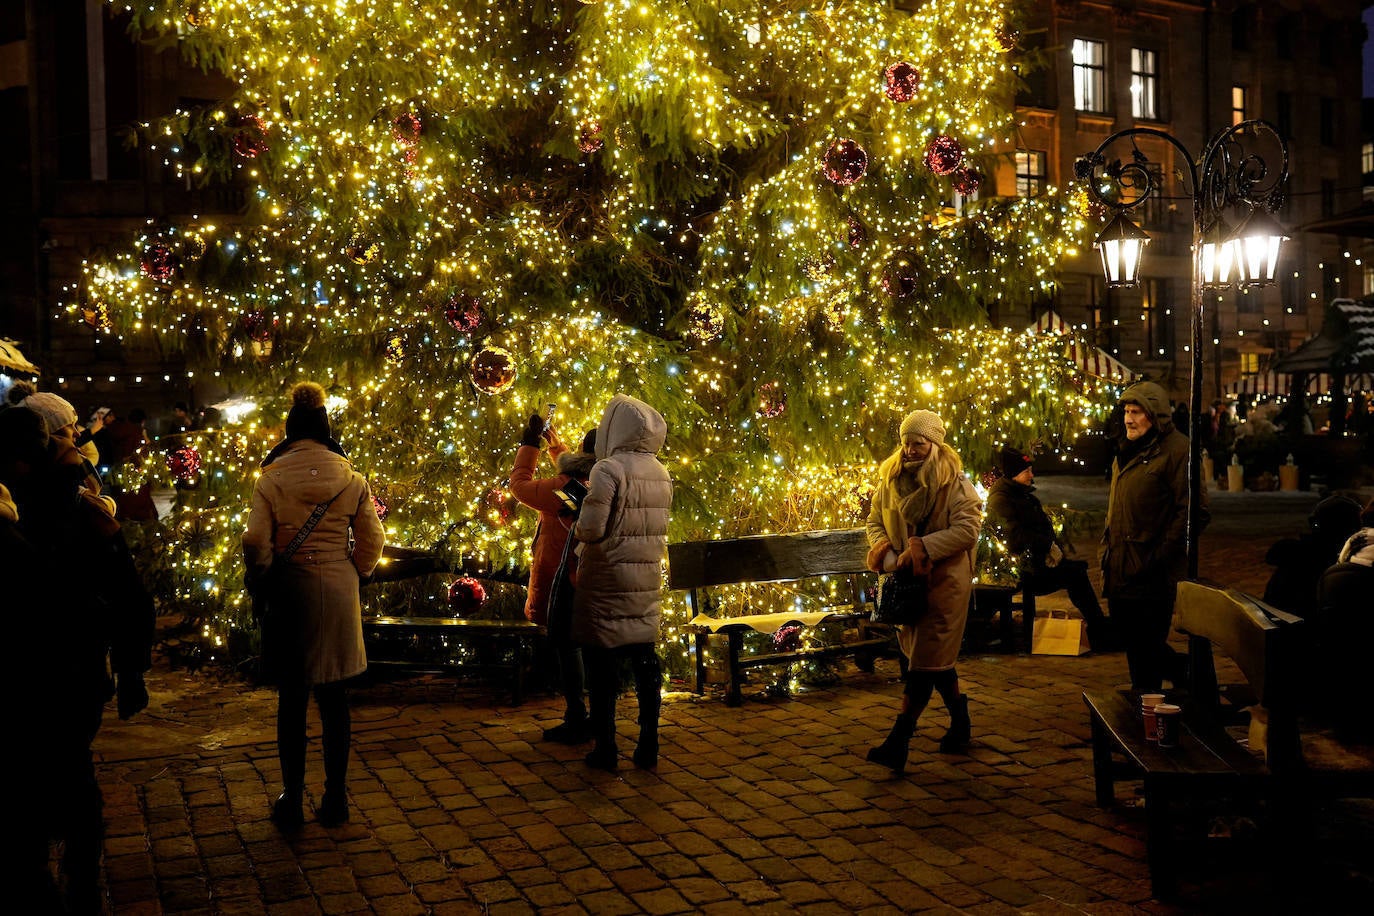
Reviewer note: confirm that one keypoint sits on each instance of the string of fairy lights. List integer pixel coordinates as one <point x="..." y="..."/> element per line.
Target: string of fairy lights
<point x="762" y="219"/>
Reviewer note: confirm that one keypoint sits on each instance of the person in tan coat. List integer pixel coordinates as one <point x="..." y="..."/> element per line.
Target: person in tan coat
<point x="925" y="516"/>
<point x="320" y="640"/>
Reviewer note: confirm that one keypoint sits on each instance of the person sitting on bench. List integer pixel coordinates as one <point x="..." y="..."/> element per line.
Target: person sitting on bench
<point x="1030" y="537"/>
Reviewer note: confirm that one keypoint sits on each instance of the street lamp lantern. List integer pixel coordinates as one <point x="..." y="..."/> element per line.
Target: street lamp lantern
<point x="1260" y="238"/>
<point x="1121" y="244"/>
<point x="1229" y="177"/>
<point x="1220" y="249"/>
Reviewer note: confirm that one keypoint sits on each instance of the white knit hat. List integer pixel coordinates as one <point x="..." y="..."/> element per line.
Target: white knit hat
<point x="925" y="424"/>
<point x="55" y="410"/>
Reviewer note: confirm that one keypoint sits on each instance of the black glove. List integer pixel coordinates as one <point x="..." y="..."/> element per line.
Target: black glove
<point x="132" y="695"/>
<point x="534" y="432"/>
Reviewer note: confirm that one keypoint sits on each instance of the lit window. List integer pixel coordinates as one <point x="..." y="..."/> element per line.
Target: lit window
<point x="1367" y="158"/>
<point x="1144" y="85"/>
<point x="1030" y="172"/>
<point x="1249" y="363"/>
<point x="1089" y="75"/>
<point x="1237" y="104"/>
<point x="1368" y="280"/>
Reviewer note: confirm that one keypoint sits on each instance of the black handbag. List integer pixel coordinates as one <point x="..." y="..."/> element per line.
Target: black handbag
<point x="903" y="598"/>
<point x="561" y="597"/>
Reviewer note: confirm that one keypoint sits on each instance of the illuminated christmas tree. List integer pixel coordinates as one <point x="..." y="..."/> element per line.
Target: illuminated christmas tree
<point x="763" y="219"/>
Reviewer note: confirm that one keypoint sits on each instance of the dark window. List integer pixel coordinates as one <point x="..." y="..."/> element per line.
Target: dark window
<point x="11" y="21"/>
<point x="1283" y="113"/>
<point x="1291" y="291"/>
<point x="1159" y="323"/>
<point x="1102" y="315"/>
<point x="1328" y="44"/>
<point x="1327" y="130"/>
<point x="72" y="108"/>
<point x="1328" y="197"/>
<point x="121" y="97"/>
<point x="1286" y="38"/>
<point x="1039" y="81"/>
<point x="1331" y="283"/>
<point x="1241" y="21"/>
<point x="1155" y="207"/>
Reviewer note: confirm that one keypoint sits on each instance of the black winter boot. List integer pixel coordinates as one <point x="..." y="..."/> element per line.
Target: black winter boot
<point x="648" y="691"/>
<point x="892" y="752"/>
<point x="955" y="741"/>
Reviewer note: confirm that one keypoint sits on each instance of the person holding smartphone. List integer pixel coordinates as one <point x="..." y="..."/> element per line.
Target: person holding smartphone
<point x="551" y="554"/>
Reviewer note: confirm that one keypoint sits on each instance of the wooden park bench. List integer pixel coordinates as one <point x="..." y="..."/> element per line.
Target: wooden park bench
<point x="506" y="646"/>
<point x="1239" y="743"/>
<point x="699" y="565"/>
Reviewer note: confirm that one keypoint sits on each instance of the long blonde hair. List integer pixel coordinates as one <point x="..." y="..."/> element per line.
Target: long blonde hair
<point x="935" y="473"/>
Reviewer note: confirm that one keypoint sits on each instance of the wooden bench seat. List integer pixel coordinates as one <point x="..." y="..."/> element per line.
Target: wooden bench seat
<point x="508" y="646"/>
<point x="699" y="565"/>
<point x="1240" y="743"/>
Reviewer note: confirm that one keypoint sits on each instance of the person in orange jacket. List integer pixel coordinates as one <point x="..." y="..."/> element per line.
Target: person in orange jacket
<point x="552" y="554"/>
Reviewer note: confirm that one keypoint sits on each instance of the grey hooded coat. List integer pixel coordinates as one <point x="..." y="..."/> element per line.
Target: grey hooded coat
<point x="623" y="530"/>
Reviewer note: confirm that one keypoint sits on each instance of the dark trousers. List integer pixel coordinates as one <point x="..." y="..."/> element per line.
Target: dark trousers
<point x="55" y="795"/>
<point x="603" y="686"/>
<point x="571" y="680"/>
<point x="1072" y="576"/>
<point x="1143" y="625"/>
<point x="292" y="702"/>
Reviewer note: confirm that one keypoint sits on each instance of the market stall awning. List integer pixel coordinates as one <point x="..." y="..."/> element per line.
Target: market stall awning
<point x="1344" y="344"/>
<point x="1092" y="360"/>
<point x="12" y="359"/>
<point x="1269" y="384"/>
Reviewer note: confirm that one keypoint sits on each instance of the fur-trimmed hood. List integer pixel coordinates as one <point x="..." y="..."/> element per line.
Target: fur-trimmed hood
<point x="576" y="464"/>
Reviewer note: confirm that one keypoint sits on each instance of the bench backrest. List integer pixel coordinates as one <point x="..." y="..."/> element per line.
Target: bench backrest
<point x="1262" y="641"/>
<point x="767" y="558"/>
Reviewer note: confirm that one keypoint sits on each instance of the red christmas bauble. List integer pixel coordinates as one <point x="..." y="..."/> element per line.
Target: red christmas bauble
<point x="184" y="463"/>
<point x="250" y="137"/>
<point x="380" y="507"/>
<point x="493" y="369"/>
<point x="464" y="312"/>
<point x="466" y="596"/>
<point x="966" y="180"/>
<point x="858" y="233"/>
<point x="845" y="162"/>
<point x="589" y="138"/>
<point x="407" y="127"/>
<point x="258" y="326"/>
<point x="159" y="262"/>
<point x="901" y="80"/>
<point x="772" y="400"/>
<point x="944" y="155"/>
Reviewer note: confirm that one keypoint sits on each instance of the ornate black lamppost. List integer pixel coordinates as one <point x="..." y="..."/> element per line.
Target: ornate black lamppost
<point x="1229" y="178"/>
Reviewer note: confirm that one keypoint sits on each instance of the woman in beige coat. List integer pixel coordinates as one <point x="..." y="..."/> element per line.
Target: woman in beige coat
<point x="322" y="645"/>
<point x="926" y="516"/>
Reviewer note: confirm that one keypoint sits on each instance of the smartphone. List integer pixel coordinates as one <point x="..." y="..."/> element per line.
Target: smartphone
<point x="548" y="416"/>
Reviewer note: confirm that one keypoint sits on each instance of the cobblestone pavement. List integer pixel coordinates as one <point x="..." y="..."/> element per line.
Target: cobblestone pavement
<point x="458" y="808"/>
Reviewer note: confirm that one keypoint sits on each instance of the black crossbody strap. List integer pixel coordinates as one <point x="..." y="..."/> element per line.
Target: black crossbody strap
<point x="309" y="525"/>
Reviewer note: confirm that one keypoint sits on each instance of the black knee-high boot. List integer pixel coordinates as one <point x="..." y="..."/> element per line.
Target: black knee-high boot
<point x="574" y="729"/>
<point x="337" y="742"/>
<point x="291" y="709"/>
<point x="954" y="741"/>
<point x="892" y="753"/>
<point x="648" y="690"/>
<point x="603" y="683"/>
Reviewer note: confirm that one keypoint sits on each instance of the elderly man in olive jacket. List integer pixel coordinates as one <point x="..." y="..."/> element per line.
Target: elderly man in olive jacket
<point x="1144" y="545"/>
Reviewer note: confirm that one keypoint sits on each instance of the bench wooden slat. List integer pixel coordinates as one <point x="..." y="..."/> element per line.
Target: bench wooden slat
<point x="452" y="623"/>
<point x="767" y="558"/>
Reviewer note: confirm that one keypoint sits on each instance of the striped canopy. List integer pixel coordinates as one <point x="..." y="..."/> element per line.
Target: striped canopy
<point x="1269" y="384"/>
<point x="1093" y="361"/>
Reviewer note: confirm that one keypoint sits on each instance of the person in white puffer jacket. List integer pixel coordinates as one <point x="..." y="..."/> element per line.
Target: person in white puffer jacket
<point x="622" y="531"/>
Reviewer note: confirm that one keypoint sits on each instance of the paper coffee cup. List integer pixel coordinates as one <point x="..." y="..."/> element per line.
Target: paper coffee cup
<point x="1168" y="723"/>
<point x="1148" y="702"/>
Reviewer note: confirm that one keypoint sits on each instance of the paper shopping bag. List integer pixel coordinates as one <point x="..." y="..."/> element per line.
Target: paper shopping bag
<point x="1058" y="633"/>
